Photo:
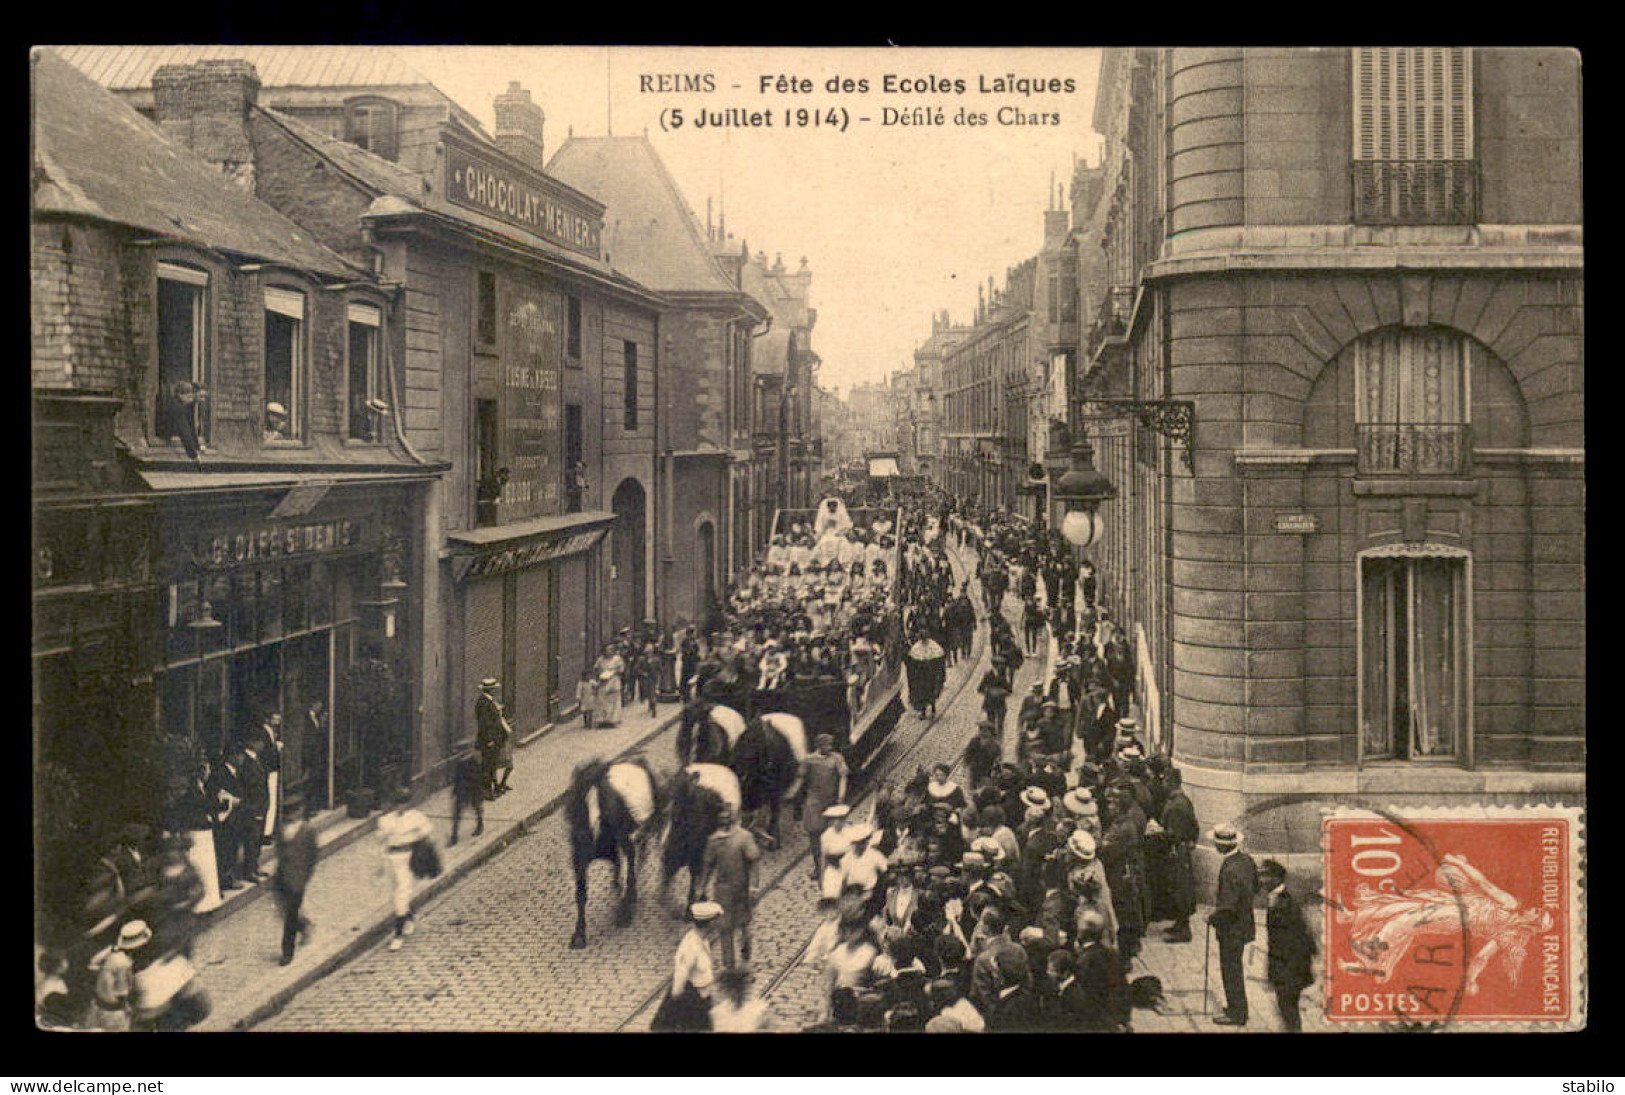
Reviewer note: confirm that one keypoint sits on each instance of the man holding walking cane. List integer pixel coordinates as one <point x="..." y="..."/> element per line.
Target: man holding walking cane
<point x="1232" y="921"/>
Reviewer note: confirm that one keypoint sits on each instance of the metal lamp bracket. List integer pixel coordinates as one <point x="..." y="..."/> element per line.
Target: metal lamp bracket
<point x="1174" y="419"/>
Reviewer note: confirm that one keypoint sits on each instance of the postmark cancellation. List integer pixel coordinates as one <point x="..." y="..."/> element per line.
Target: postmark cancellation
<point x="1468" y="918"/>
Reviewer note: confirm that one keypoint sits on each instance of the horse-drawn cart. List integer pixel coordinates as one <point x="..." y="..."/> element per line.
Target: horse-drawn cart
<point x="861" y="708"/>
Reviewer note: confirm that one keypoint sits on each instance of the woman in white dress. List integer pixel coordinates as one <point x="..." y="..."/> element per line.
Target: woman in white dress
<point x="399" y="829"/>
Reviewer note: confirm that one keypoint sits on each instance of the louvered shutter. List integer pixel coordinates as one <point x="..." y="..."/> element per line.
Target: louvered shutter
<point x="1413" y="108"/>
<point x="482" y="642"/>
<point x="528" y="692"/>
<point x="374" y="125"/>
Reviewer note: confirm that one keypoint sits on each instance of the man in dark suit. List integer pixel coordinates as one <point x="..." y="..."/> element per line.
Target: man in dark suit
<point x="1099" y="997"/>
<point x="1013" y="1007"/>
<point x="295" y="863"/>
<point x="1291" y="947"/>
<point x="494" y="737"/>
<point x="1232" y="921"/>
<point x="467" y="788"/>
<point x="266" y="741"/>
<point x="1180" y="832"/>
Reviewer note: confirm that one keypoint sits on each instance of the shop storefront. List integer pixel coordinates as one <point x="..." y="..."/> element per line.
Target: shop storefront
<point x="527" y="597"/>
<point x="296" y="602"/>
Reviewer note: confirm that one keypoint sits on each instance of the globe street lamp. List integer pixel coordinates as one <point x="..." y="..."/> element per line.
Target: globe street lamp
<point x="1081" y="490"/>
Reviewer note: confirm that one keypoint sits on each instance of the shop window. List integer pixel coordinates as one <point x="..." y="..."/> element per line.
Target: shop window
<point x="295" y="599"/>
<point x="1412" y="651"/>
<point x="630" y="385"/>
<point x="182" y="399"/>
<point x="1411" y="402"/>
<point x="485" y="309"/>
<point x="572" y="330"/>
<point x="321" y="594"/>
<point x="366" y="404"/>
<point x="374" y="124"/>
<point x="244" y="610"/>
<point x="270" y="603"/>
<point x="284" y="365"/>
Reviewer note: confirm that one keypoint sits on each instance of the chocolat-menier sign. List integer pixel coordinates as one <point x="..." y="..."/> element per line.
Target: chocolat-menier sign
<point x="484" y="186"/>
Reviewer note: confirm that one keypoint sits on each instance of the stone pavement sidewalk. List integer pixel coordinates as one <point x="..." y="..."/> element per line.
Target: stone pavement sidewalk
<point x="1179" y="967"/>
<point x="237" y="953"/>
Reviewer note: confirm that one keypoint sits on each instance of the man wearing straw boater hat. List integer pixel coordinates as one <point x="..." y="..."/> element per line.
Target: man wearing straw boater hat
<point x="494" y="737"/>
<point x="1232" y="920"/>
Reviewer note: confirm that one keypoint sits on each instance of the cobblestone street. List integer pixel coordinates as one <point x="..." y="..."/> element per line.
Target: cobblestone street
<point x="491" y="954"/>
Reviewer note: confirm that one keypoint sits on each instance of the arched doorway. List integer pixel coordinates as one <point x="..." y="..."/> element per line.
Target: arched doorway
<point x="705" y="574"/>
<point x="626" y="555"/>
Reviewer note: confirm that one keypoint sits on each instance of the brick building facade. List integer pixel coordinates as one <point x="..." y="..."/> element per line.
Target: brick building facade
<point x="199" y="565"/>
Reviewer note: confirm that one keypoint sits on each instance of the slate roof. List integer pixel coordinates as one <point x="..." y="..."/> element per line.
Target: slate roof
<point x="128" y="68"/>
<point x="123" y="68"/>
<point x="649" y="231"/>
<point x="95" y="156"/>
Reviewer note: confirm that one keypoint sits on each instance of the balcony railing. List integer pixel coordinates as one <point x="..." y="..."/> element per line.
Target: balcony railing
<point x="1412" y="448"/>
<point x="1415" y="191"/>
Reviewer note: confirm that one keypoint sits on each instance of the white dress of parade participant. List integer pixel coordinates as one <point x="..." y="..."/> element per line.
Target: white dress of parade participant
<point x="833" y="845"/>
<point x="832" y="516"/>
<point x="864" y="864"/>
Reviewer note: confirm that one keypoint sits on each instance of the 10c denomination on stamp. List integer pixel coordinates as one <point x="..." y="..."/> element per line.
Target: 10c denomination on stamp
<point x="1458" y="917"/>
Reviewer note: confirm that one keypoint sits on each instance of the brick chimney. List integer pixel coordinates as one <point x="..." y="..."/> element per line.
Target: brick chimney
<point x="205" y="107"/>
<point x="519" y="126"/>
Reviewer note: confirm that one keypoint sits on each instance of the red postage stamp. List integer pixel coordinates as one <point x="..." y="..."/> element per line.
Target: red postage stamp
<point x="1455" y="917"/>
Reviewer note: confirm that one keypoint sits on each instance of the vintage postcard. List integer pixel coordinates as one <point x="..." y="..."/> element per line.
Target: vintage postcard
<point x="611" y="539"/>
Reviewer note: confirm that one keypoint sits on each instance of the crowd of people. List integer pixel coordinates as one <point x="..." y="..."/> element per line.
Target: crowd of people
<point x="1016" y="899"/>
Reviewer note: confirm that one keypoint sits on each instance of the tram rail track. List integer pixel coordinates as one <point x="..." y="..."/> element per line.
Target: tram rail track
<point x="870" y="782"/>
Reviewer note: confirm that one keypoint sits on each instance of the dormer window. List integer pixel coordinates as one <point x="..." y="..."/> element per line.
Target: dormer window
<point x="373" y="123"/>
<point x="284" y="373"/>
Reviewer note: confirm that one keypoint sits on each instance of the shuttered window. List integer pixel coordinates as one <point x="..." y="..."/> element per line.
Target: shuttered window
<point x="1413" y="136"/>
<point x="1413" y="104"/>
<point x="374" y="124"/>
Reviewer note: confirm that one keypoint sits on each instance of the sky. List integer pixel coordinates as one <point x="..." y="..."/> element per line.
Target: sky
<point x="897" y="222"/>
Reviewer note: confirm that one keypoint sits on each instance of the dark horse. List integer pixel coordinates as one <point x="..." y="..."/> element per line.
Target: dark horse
<point x="612" y="809"/>
<point x="766" y="756"/>
<point x="697" y="797"/>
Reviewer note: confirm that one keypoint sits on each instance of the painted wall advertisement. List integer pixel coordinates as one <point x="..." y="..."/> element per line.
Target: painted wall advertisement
<point x="532" y="378"/>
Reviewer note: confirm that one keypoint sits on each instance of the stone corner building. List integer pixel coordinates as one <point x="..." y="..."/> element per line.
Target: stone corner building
<point x="1364" y="270"/>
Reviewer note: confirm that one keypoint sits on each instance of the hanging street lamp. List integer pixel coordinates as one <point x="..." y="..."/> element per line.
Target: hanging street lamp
<point x="1081" y="490"/>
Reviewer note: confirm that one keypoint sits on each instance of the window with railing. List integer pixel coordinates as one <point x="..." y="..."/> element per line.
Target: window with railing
<point x="1412" y="402"/>
<point x="1414" y="160"/>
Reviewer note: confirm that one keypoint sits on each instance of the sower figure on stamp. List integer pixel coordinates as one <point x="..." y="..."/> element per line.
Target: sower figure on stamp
<point x="1232" y="921"/>
<point x="1291" y="947"/>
